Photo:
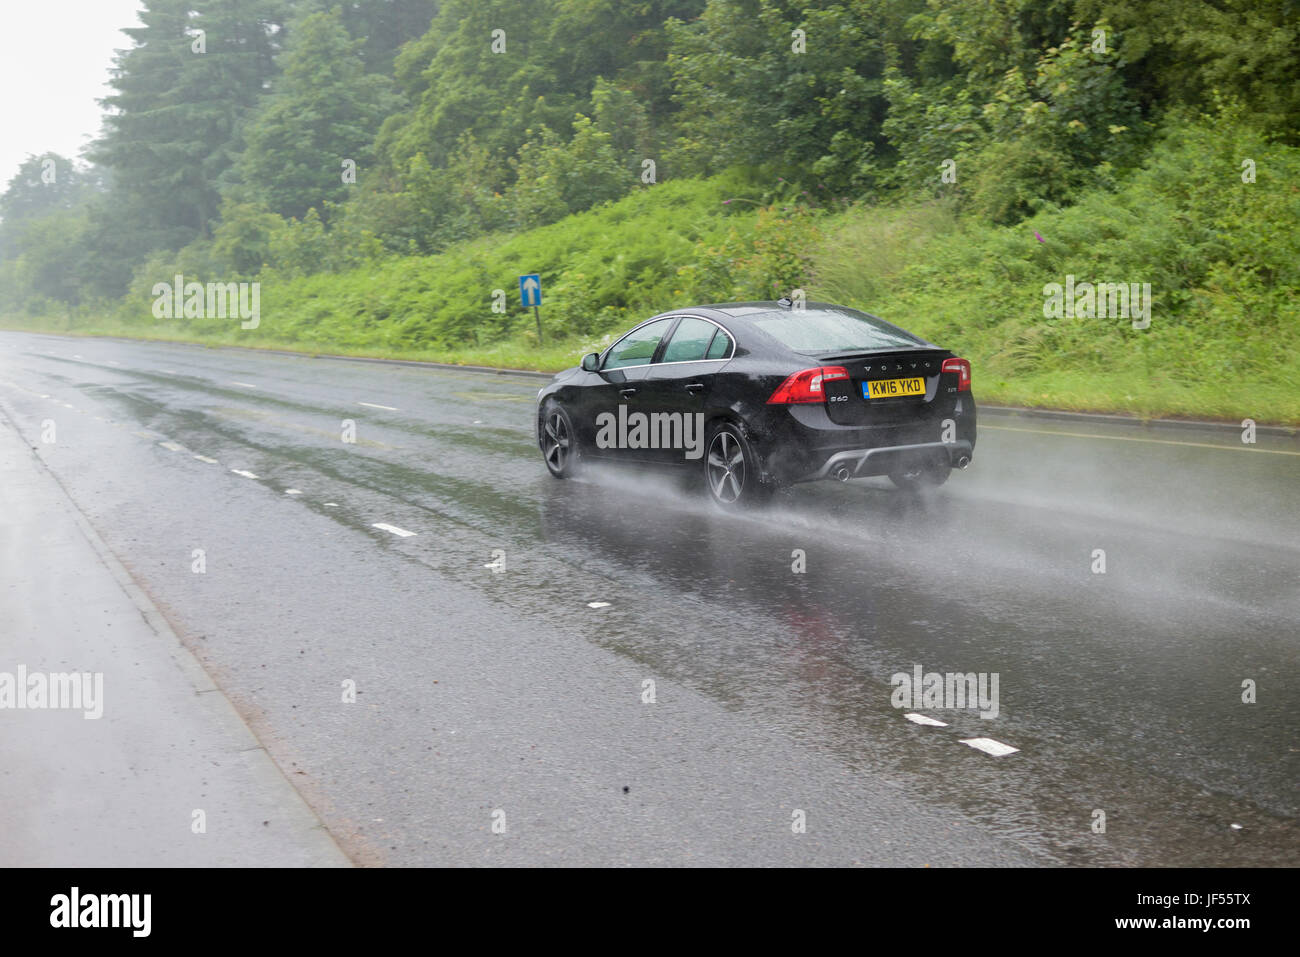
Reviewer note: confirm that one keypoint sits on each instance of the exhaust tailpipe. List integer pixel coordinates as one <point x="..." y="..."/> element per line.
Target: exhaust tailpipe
<point x="842" y="473"/>
<point x="963" y="461"/>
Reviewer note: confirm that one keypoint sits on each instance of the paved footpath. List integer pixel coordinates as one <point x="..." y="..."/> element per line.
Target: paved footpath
<point x="168" y="753"/>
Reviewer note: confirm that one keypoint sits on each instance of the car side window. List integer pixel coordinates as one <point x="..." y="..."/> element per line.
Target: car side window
<point x="690" y="341"/>
<point x="637" y="348"/>
<point x="720" y="348"/>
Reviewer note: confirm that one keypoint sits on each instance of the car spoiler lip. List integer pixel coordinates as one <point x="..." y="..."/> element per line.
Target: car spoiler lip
<point x="864" y="353"/>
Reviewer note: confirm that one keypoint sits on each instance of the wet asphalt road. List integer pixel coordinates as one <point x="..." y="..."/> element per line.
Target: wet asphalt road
<point x="496" y="694"/>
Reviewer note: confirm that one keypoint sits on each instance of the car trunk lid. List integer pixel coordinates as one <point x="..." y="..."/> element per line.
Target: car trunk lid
<point x="889" y="387"/>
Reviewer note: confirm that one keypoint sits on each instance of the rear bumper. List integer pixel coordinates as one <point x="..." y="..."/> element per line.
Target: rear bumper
<point x="856" y="463"/>
<point x="802" y="444"/>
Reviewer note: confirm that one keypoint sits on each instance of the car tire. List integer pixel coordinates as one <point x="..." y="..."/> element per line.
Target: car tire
<point x="917" y="478"/>
<point x="558" y="441"/>
<point x="732" y="473"/>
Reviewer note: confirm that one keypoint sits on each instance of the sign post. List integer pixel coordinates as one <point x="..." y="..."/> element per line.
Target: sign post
<point x="530" y="294"/>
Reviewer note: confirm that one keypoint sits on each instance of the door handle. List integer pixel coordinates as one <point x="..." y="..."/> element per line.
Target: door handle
<point x="626" y="392"/>
<point x="695" y="387"/>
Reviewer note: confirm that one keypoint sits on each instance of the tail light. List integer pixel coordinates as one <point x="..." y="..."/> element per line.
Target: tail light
<point x="962" y="368"/>
<point x="806" y="386"/>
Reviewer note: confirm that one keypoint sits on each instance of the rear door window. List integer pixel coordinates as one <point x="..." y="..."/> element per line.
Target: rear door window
<point x="690" y="341"/>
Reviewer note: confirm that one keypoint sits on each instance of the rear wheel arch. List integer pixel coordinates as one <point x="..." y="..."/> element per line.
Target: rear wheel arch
<point x="729" y="436"/>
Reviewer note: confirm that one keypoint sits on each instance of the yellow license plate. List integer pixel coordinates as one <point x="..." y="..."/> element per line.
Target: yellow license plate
<point x="890" y="388"/>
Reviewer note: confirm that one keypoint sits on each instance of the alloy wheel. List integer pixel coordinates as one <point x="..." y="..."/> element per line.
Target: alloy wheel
<point x="726" y="468"/>
<point x="555" y="445"/>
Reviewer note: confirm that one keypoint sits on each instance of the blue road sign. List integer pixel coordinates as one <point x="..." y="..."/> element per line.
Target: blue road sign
<point x="530" y="290"/>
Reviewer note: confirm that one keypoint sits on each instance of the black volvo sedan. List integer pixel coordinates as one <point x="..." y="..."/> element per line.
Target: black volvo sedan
<point x="757" y="395"/>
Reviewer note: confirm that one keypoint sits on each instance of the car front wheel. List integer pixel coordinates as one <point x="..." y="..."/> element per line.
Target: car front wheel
<point x="558" y="441"/>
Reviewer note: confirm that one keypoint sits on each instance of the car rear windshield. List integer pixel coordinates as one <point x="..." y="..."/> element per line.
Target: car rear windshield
<point x="823" y="331"/>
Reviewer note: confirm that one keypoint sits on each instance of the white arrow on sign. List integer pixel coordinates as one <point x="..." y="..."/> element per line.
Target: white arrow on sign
<point x="530" y="290"/>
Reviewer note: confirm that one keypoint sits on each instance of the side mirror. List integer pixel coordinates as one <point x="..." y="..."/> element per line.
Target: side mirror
<point x="591" y="362"/>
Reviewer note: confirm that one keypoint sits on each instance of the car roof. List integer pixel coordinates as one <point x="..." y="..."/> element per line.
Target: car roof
<point x="747" y="310"/>
<point x="736" y="318"/>
<point x="738" y="315"/>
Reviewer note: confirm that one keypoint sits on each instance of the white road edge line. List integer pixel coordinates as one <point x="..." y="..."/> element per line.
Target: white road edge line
<point x="371" y="405"/>
<point x="392" y="528"/>
<point x="989" y="746"/>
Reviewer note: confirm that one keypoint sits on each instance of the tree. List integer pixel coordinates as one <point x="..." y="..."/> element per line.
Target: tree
<point x="319" y="121"/>
<point x="554" y="178"/>
<point x="43" y="184"/>
<point x="181" y="92"/>
<point x="1182" y="51"/>
<point x="765" y="82"/>
<point x="537" y="69"/>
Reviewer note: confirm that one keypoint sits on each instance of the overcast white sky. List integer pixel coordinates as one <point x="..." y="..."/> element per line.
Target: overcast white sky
<point x="54" y="60"/>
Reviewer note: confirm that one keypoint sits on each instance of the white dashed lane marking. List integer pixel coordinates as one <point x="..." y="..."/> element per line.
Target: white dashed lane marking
<point x="172" y="446"/>
<point x="403" y="533"/>
<point x="925" y="720"/>
<point x="989" y="746"/>
<point x="371" y="405"/>
<point x="597" y="604"/>
<point x="246" y="385"/>
<point x="204" y="458"/>
<point x="292" y="491"/>
<point x="244" y="473"/>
